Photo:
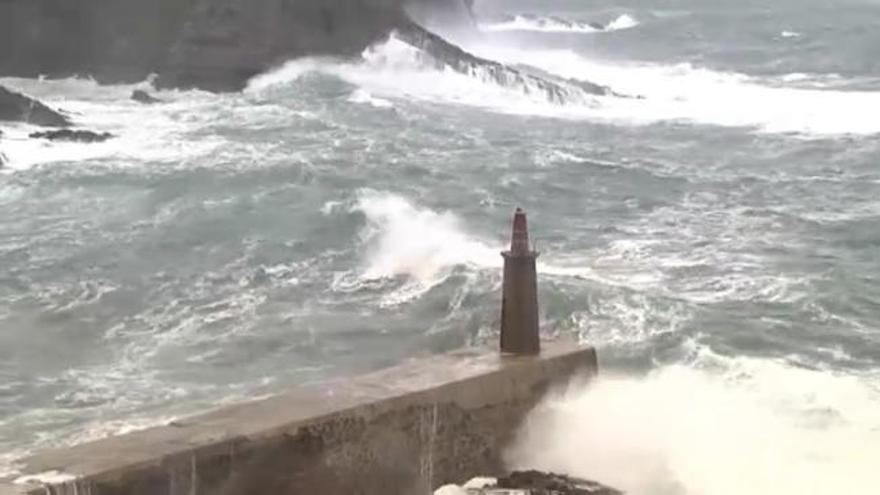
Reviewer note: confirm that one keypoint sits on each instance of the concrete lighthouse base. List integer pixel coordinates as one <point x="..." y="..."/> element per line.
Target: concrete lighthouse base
<point x="400" y="431"/>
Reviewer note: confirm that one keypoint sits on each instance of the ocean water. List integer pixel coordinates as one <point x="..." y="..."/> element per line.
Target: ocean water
<point x="717" y="238"/>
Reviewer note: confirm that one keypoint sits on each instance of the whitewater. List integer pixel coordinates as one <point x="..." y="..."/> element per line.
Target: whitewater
<point x="712" y="227"/>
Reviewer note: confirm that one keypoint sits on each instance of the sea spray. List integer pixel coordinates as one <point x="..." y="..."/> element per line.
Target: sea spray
<point x="720" y="426"/>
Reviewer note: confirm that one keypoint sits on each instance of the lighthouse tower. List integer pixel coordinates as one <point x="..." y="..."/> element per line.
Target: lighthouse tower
<point x="519" y="303"/>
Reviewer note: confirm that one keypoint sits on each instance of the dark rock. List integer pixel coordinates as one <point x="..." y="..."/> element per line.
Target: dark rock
<point x="210" y="44"/>
<point x="79" y="136"/>
<point x="527" y="79"/>
<point x="142" y="96"/>
<point x="540" y="483"/>
<point x="17" y="107"/>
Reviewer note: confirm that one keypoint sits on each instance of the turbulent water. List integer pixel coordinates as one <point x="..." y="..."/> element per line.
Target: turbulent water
<point x="717" y="237"/>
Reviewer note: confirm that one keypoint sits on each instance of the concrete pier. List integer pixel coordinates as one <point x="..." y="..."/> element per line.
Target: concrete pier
<point x="401" y="431"/>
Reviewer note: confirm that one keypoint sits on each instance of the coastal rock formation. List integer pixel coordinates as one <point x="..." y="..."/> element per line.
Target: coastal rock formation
<point x="529" y="80"/>
<point x="17" y="107"/>
<point x="210" y="44"/>
<point x="79" y="136"/>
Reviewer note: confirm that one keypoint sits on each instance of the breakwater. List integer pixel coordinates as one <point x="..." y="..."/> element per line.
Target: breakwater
<point x="403" y="431"/>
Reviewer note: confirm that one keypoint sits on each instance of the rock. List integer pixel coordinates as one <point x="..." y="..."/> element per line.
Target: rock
<point x="210" y="44"/>
<point x="524" y="78"/>
<point x="142" y="96"/>
<point x="17" y="107"/>
<point x="529" y="483"/>
<point x="79" y="136"/>
<point x="540" y="483"/>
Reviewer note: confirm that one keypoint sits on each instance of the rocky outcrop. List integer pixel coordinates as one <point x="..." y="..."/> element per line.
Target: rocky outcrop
<point x="79" y="136"/>
<point x="211" y="44"/>
<point x="529" y="483"/>
<point x="529" y="80"/>
<point x="17" y="107"/>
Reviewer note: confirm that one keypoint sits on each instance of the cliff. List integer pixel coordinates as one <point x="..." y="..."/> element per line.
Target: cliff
<point x="211" y="44"/>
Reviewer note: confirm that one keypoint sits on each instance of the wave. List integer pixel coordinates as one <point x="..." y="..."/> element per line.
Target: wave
<point x="565" y="85"/>
<point x="404" y="238"/>
<point x="526" y="22"/>
<point x="415" y="245"/>
<point x="684" y="93"/>
<point x="625" y="21"/>
<point x="364" y="97"/>
<point x="425" y="68"/>
<point x="421" y="248"/>
<point x="714" y="425"/>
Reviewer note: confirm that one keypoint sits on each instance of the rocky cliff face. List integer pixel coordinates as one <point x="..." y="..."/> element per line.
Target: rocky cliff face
<point x="212" y="44"/>
<point x="112" y="40"/>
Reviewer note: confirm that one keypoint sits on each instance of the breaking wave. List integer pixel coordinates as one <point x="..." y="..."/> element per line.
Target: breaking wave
<point x="421" y="66"/>
<point x="421" y="247"/>
<point x="526" y="22"/>
<point x="407" y="239"/>
<point x="716" y="426"/>
<point x="559" y="84"/>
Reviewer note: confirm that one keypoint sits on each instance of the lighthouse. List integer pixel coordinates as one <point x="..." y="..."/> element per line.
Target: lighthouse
<point x="519" y="300"/>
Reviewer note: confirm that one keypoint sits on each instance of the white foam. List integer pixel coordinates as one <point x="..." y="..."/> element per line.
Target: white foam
<point x="688" y="94"/>
<point x="538" y="24"/>
<point x="403" y="238"/>
<point x="556" y="25"/>
<point x="625" y="21"/>
<point x="46" y="478"/>
<point x="450" y="490"/>
<point x="395" y="69"/>
<point x="719" y="426"/>
<point x="143" y="132"/>
<point x="789" y="34"/>
<point x="680" y="93"/>
<point x="364" y="96"/>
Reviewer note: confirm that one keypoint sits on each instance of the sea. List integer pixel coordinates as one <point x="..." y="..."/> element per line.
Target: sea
<point x="712" y="227"/>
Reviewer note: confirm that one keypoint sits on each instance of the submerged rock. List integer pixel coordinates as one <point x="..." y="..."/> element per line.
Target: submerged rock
<point x="17" y="107"/>
<point x="79" y="136"/>
<point x="142" y="96"/>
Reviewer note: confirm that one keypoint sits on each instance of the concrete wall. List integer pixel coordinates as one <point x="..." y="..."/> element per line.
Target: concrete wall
<point x="401" y="431"/>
